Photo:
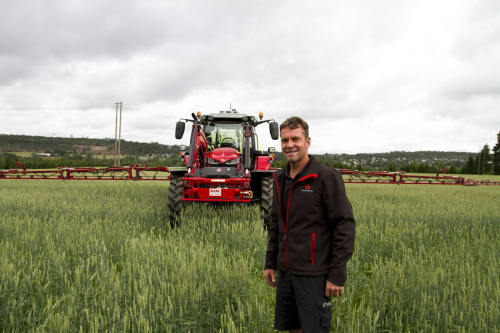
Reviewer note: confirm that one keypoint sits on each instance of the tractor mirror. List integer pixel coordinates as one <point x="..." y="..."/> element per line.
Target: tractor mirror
<point x="183" y="148"/>
<point x="273" y="129"/>
<point x="179" y="129"/>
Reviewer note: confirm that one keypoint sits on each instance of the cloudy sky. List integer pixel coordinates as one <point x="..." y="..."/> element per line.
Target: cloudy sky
<point x="368" y="76"/>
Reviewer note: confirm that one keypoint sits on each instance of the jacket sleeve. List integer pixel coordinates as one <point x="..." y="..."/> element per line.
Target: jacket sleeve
<point x="340" y="219"/>
<point x="272" y="234"/>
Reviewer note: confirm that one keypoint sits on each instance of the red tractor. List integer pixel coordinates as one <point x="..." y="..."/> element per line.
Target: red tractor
<point x="223" y="163"/>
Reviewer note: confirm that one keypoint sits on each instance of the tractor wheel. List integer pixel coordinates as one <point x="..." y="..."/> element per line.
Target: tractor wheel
<point x="175" y="201"/>
<point x="266" y="200"/>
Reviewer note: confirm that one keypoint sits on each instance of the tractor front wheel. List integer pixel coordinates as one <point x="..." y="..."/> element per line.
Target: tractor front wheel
<point x="175" y="201"/>
<point x="266" y="200"/>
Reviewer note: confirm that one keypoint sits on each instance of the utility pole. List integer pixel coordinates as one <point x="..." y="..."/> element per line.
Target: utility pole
<point x="118" y="133"/>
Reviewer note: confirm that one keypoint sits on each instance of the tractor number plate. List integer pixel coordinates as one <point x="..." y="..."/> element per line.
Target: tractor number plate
<point x="215" y="192"/>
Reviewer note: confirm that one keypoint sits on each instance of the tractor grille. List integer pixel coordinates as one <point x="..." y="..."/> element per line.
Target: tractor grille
<point x="219" y="172"/>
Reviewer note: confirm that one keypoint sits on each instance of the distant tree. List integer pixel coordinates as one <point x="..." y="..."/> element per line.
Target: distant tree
<point x="58" y="152"/>
<point x="469" y="167"/>
<point x="482" y="160"/>
<point x="441" y="168"/>
<point x="496" y="156"/>
<point x="10" y="161"/>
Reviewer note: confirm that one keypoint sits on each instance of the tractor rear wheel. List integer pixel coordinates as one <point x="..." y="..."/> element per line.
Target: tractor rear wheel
<point x="266" y="200"/>
<point x="175" y="201"/>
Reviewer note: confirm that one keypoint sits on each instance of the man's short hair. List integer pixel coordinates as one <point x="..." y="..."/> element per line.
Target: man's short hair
<point x="295" y="122"/>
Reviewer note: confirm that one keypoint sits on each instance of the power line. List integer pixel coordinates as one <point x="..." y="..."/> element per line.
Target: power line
<point x="58" y="108"/>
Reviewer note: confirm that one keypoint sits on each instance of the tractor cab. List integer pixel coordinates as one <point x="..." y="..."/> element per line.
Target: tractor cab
<point x="225" y="143"/>
<point x="231" y="143"/>
<point x="224" y="132"/>
<point x="226" y="129"/>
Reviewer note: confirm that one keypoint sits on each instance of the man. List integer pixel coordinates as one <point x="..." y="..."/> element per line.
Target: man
<point x="311" y="235"/>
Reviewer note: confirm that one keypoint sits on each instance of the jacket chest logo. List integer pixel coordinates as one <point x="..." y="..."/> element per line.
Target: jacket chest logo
<point x="307" y="188"/>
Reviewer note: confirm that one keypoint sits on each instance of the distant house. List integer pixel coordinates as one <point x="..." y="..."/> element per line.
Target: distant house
<point x="44" y="154"/>
<point x="98" y="149"/>
<point x="158" y="155"/>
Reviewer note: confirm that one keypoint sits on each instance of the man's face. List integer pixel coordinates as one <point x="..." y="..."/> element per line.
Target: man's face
<point x="294" y="144"/>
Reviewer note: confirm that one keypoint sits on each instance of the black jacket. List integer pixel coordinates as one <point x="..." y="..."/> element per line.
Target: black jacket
<point x="314" y="235"/>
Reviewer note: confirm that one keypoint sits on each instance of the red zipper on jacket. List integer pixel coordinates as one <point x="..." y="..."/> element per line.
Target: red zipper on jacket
<point x="313" y="246"/>
<point x="313" y="175"/>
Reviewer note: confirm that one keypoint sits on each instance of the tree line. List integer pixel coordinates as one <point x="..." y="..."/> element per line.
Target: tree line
<point x="64" y="146"/>
<point x="486" y="161"/>
<point x="390" y="165"/>
<point x="9" y="160"/>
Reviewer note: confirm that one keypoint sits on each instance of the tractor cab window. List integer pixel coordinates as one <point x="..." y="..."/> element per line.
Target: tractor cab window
<point x="257" y="142"/>
<point x="224" y="135"/>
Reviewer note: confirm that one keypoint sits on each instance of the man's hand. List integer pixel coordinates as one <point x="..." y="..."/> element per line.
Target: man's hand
<point x="332" y="290"/>
<point x="270" y="276"/>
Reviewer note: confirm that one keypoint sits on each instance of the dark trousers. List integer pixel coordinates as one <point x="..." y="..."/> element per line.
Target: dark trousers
<point x="301" y="303"/>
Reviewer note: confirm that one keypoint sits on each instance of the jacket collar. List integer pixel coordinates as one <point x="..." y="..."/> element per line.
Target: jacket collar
<point x="302" y="172"/>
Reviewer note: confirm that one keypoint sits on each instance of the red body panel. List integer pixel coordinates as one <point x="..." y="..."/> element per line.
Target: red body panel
<point x="224" y="154"/>
<point x="262" y="163"/>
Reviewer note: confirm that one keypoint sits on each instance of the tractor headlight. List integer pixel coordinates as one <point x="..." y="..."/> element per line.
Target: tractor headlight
<point x="233" y="161"/>
<point x="211" y="161"/>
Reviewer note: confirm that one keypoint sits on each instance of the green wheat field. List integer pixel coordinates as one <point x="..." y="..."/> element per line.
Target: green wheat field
<point x="98" y="256"/>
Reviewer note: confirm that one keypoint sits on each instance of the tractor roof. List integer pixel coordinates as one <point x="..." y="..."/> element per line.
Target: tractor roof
<point x="231" y="115"/>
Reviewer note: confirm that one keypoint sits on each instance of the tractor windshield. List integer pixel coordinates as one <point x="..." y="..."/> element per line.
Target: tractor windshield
<point x="224" y="135"/>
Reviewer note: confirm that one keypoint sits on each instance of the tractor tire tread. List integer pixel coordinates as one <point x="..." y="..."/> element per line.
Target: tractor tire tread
<point x="266" y="200"/>
<point x="175" y="203"/>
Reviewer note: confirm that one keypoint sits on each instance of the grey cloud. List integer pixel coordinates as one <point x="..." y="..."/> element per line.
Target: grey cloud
<point x="74" y="29"/>
<point x="329" y="62"/>
<point x="478" y="41"/>
<point x="197" y="46"/>
<point x="475" y="78"/>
